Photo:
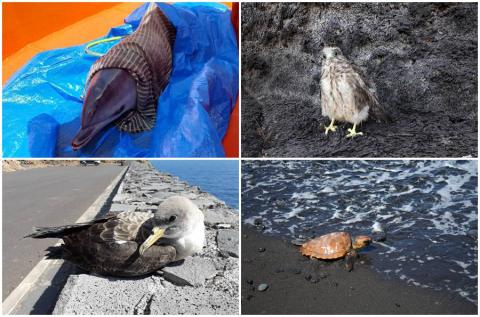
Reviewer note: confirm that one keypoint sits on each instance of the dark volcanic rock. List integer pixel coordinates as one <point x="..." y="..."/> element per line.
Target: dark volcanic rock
<point x="421" y="56"/>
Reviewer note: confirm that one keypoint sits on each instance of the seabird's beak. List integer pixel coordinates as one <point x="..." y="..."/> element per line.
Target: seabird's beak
<point x="157" y="233"/>
<point x="111" y="94"/>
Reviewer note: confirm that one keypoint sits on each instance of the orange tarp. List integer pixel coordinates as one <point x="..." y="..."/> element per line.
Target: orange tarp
<point x="30" y="28"/>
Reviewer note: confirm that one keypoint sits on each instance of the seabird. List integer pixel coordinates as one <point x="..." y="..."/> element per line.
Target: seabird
<point x="131" y="243"/>
<point x="123" y="85"/>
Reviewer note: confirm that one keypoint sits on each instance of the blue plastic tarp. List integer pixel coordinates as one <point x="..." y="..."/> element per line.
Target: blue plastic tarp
<point x="42" y="102"/>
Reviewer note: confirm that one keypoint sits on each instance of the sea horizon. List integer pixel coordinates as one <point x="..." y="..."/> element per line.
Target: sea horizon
<point x="217" y="177"/>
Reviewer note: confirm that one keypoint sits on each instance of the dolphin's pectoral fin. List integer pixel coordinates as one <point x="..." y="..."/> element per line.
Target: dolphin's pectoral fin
<point x="111" y="94"/>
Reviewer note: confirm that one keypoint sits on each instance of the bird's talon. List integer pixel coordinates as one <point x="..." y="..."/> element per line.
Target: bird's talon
<point x="353" y="134"/>
<point x="330" y="128"/>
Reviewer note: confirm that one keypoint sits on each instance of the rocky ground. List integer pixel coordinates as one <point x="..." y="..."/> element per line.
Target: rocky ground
<point x="204" y="284"/>
<point x="421" y="56"/>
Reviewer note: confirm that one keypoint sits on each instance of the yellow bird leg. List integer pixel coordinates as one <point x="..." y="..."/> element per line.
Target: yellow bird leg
<point x="352" y="132"/>
<point x="331" y="127"/>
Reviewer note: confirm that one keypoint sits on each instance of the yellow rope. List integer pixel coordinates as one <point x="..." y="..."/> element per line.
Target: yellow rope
<point x="94" y="43"/>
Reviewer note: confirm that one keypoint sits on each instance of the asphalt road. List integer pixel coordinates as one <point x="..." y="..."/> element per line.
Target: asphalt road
<point x="44" y="197"/>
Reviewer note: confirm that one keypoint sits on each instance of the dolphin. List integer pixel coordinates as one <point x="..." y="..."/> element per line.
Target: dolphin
<point x="111" y="96"/>
<point x="123" y="86"/>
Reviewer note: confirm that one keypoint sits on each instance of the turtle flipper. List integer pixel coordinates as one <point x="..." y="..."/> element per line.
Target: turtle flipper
<point x="350" y="259"/>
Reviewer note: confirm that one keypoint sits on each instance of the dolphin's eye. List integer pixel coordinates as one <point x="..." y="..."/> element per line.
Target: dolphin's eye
<point x="172" y="218"/>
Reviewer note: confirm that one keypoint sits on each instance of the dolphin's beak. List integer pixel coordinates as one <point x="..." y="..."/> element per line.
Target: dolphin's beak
<point x="111" y="94"/>
<point x="157" y="233"/>
<point x="86" y="134"/>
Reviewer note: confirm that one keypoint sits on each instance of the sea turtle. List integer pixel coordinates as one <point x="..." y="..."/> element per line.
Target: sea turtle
<point x="335" y="245"/>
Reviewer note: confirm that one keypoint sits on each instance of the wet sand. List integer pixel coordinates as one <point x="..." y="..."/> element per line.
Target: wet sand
<point x="298" y="285"/>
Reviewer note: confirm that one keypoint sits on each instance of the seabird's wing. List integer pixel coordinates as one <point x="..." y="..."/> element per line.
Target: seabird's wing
<point x="153" y="259"/>
<point x="61" y="231"/>
<point x="107" y="245"/>
<point x="123" y="227"/>
<point x="113" y="258"/>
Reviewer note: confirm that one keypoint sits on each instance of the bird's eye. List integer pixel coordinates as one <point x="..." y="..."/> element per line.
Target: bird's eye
<point x="335" y="53"/>
<point x="172" y="218"/>
<point x="324" y="56"/>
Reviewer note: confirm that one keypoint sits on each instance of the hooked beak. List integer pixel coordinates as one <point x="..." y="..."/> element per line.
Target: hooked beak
<point x="157" y="233"/>
<point x="112" y="93"/>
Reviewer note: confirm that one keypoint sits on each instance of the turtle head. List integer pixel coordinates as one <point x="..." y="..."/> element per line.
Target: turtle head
<point x="361" y="242"/>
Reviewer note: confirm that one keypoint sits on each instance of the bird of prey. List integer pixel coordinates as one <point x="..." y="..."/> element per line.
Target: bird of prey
<point x="125" y="83"/>
<point x="346" y="94"/>
<point x="131" y="243"/>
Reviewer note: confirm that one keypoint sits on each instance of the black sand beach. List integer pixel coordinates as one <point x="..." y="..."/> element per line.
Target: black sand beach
<point x="297" y="285"/>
